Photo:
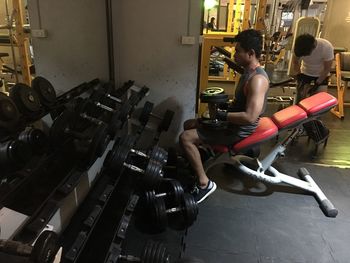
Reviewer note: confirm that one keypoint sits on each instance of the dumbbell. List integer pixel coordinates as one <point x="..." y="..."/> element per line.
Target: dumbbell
<point x="153" y="252"/>
<point x="45" y="90"/>
<point x="117" y="158"/>
<point x="187" y="210"/>
<point x="14" y="154"/>
<point x="26" y="99"/>
<point x="214" y="96"/>
<point x="35" y="138"/>
<point x="94" y="145"/>
<point x="155" y="153"/>
<point x="43" y="251"/>
<point x="9" y="114"/>
<point x="146" y="113"/>
<point x="170" y="190"/>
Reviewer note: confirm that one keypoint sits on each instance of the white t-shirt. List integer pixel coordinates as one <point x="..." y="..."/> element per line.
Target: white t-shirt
<point x="312" y="65"/>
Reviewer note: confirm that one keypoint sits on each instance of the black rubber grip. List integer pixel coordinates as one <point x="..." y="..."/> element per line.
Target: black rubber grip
<point x="328" y="208"/>
<point x="302" y="172"/>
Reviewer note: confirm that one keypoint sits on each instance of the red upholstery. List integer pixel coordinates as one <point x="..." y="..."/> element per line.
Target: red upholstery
<point x="289" y="116"/>
<point x="286" y="118"/>
<point x="318" y="103"/>
<point x="266" y="129"/>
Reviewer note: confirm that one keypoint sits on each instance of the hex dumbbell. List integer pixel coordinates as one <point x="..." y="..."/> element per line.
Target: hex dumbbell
<point x="43" y="251"/>
<point x="186" y="211"/>
<point x="117" y="158"/>
<point x="169" y="190"/>
<point x="45" y="91"/>
<point x="152" y="252"/>
<point x="93" y="144"/>
<point x="146" y="113"/>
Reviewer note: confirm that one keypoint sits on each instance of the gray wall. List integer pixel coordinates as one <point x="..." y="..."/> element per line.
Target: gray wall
<point x="336" y="29"/>
<point x="76" y="47"/>
<point x="147" y="46"/>
<point x="148" y="50"/>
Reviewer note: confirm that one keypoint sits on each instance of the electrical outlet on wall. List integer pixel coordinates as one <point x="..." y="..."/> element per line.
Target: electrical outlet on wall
<point x="188" y="40"/>
<point x="40" y="33"/>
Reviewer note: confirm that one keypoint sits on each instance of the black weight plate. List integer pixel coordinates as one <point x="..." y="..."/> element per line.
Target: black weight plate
<point x="159" y="154"/>
<point x="45" y="90"/>
<point x="9" y="113"/>
<point x="153" y="173"/>
<point x="98" y="144"/>
<point x="147" y="252"/>
<point x="190" y="209"/>
<point x="45" y="248"/>
<point x="218" y="98"/>
<point x="166" y="121"/>
<point x="35" y="138"/>
<point x="97" y="95"/>
<point x="145" y="113"/>
<point x="213" y="91"/>
<point x="26" y="98"/>
<point x="159" y="214"/>
<point x="174" y="191"/>
<point x="118" y="158"/>
<point x="14" y="153"/>
<point x="213" y="124"/>
<point x="61" y="123"/>
<point x="150" y="196"/>
<point x="124" y="111"/>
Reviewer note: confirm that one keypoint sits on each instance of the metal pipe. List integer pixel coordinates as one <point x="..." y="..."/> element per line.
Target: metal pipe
<point x="10" y="22"/>
<point x="109" y="21"/>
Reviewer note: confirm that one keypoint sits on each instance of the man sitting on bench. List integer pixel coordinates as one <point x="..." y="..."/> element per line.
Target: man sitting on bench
<point x="242" y="115"/>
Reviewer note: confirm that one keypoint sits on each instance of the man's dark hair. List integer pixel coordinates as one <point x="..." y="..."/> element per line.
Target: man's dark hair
<point x="250" y="39"/>
<point x="304" y="44"/>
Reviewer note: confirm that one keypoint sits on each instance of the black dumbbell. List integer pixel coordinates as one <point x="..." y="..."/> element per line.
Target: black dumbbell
<point x="170" y="190"/>
<point x="26" y="99"/>
<point x="146" y="113"/>
<point x="14" y="154"/>
<point x="43" y="251"/>
<point x="45" y="90"/>
<point x="93" y="144"/>
<point x="153" y="252"/>
<point x="187" y="210"/>
<point x="35" y="138"/>
<point x="117" y="158"/>
<point x="156" y="154"/>
<point x="9" y="114"/>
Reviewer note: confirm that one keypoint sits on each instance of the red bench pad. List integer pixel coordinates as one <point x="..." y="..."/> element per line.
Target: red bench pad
<point x="318" y="103"/>
<point x="288" y="117"/>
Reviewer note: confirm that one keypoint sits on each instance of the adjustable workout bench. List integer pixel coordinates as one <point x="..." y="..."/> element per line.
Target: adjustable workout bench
<point x="290" y="118"/>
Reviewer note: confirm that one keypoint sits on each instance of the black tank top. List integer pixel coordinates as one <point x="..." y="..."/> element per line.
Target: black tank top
<point x="240" y="102"/>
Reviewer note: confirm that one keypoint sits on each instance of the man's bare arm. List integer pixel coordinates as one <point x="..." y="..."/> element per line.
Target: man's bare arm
<point x="256" y="90"/>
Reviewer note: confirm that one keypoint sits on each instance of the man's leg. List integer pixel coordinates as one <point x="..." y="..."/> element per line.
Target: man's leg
<point x="189" y="140"/>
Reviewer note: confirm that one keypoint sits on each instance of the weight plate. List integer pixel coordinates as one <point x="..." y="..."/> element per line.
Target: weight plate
<point x="128" y="141"/>
<point x="190" y="209"/>
<point x="213" y="124"/>
<point x="213" y="91"/>
<point x="61" y="123"/>
<point x="35" y="138"/>
<point x="26" y="99"/>
<point x="166" y="121"/>
<point x="145" y="113"/>
<point x="216" y="98"/>
<point x="9" y="114"/>
<point x="98" y="143"/>
<point x="153" y="173"/>
<point x="14" y="154"/>
<point x="159" y="154"/>
<point x="45" y="90"/>
<point x="118" y="158"/>
<point x="158" y="213"/>
<point x="45" y="248"/>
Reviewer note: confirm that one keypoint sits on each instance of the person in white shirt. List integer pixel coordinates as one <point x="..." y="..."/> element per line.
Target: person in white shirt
<point x="315" y="56"/>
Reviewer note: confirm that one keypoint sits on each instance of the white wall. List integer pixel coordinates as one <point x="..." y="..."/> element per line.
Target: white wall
<point x="76" y="47"/>
<point x="148" y="50"/>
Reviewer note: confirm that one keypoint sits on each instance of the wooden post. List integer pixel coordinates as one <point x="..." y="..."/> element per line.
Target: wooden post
<point x="246" y="15"/>
<point x="259" y="22"/>
<point x="237" y="19"/>
<point x="22" y="42"/>
<point x="230" y="16"/>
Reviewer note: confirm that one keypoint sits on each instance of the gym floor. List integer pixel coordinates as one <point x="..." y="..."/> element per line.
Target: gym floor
<point x="247" y="221"/>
